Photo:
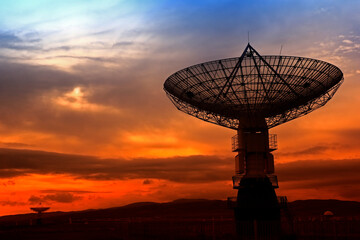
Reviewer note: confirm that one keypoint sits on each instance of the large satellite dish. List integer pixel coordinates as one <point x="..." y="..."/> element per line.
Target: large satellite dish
<point x="230" y="91"/>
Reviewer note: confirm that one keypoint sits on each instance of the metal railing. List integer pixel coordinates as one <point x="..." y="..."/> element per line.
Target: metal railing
<point x="235" y="143"/>
<point x="272" y="143"/>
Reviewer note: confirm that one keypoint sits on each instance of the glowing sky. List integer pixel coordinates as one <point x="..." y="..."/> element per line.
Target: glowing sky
<point x="85" y="123"/>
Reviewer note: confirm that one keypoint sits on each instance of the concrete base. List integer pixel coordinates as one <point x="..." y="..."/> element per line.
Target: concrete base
<point x="257" y="212"/>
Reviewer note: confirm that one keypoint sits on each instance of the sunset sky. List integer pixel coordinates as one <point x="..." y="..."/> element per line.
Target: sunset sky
<point x="85" y="123"/>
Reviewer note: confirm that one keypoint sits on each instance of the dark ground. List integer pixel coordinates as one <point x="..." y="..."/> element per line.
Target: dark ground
<point x="180" y="219"/>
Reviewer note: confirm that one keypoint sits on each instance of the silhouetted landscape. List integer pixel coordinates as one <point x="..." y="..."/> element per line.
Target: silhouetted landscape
<point x="181" y="219"/>
<point x="106" y="103"/>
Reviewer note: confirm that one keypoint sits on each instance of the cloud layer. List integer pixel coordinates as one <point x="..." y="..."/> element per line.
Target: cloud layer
<point x="192" y="169"/>
<point x="306" y="174"/>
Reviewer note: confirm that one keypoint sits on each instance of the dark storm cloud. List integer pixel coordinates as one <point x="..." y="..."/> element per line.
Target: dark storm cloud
<point x="303" y="174"/>
<point x="29" y="93"/>
<point x="345" y="139"/>
<point x="21" y="82"/>
<point x="62" y="197"/>
<point x="324" y="170"/>
<point x="23" y="91"/>
<point x="178" y="169"/>
<point x="67" y="191"/>
<point x="351" y="136"/>
<point x="12" y="203"/>
<point x="308" y="151"/>
<point x="338" y="177"/>
<point x="15" y="145"/>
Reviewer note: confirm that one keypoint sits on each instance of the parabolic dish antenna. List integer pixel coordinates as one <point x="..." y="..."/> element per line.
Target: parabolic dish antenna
<point x="40" y="209"/>
<point x="229" y="92"/>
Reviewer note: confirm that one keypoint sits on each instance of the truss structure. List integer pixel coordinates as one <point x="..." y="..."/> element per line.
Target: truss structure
<point x="275" y="88"/>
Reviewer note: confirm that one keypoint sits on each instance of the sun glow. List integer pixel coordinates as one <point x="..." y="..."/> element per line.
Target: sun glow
<point x="77" y="100"/>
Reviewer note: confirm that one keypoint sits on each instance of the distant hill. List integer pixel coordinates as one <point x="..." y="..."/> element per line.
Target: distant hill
<point x="183" y="208"/>
<point x="192" y="208"/>
<point x="315" y="207"/>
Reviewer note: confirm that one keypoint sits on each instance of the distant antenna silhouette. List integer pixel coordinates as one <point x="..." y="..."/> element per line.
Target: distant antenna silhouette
<point x="251" y="94"/>
<point x="39" y="210"/>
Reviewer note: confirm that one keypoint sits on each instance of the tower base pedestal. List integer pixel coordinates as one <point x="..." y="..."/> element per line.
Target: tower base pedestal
<point x="257" y="212"/>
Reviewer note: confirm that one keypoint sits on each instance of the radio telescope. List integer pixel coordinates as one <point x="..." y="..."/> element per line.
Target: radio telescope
<point x="251" y="94"/>
<point x="39" y="210"/>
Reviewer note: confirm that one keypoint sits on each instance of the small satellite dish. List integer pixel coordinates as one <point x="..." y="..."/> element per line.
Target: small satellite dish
<point x="40" y="209"/>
